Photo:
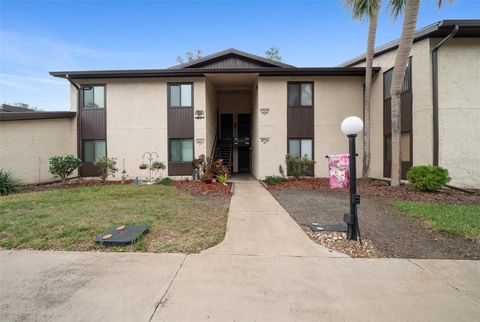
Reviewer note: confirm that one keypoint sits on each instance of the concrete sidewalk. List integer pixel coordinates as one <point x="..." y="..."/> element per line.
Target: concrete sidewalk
<point x="265" y="270"/>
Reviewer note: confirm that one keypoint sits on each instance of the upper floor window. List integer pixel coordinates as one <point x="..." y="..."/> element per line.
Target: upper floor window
<point x="93" y="96"/>
<point x="300" y="94"/>
<point x="180" y="95"/>
<point x="387" y="81"/>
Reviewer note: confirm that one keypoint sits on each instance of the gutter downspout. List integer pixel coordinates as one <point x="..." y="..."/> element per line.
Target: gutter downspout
<point x="435" y="93"/>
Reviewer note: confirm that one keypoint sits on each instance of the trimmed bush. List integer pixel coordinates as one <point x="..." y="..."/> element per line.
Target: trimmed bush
<point x="298" y="167"/>
<point x="8" y="183"/>
<point x="165" y="181"/>
<point x="63" y="166"/>
<point x="273" y="180"/>
<point x="427" y="178"/>
<point x="107" y="166"/>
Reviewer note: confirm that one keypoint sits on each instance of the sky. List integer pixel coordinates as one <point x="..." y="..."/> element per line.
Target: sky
<point x="64" y="35"/>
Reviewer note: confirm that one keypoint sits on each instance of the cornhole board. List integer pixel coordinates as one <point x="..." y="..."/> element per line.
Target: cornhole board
<point x="122" y="237"/>
<point x="318" y="228"/>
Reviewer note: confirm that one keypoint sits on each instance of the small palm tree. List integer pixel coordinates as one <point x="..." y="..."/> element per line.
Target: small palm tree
<point x="367" y="9"/>
<point x="405" y="44"/>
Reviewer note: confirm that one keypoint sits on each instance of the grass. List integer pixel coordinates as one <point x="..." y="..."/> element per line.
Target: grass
<point x="69" y="219"/>
<point x="460" y="220"/>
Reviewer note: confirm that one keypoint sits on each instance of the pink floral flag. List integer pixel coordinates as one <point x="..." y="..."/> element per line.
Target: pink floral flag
<point x="339" y="173"/>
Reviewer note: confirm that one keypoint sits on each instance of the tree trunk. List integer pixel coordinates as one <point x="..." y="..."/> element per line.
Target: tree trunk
<point x="372" y="31"/>
<point x="401" y="60"/>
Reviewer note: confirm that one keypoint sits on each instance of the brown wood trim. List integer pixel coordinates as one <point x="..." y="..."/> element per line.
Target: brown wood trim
<point x="406" y="101"/>
<point x="91" y="125"/>
<point x="89" y="170"/>
<point x="180" y="168"/>
<point x="25" y="116"/>
<point x="300" y="122"/>
<point x="180" y="122"/>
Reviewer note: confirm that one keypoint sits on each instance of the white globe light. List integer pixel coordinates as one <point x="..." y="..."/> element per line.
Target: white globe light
<point x="352" y="125"/>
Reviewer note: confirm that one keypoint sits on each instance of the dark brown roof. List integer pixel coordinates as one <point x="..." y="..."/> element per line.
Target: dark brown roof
<point x="230" y="58"/>
<point x="200" y="72"/>
<point x="20" y="116"/>
<point x="440" y="29"/>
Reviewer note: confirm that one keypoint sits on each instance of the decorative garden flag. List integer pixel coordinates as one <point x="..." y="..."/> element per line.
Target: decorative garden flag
<point x="339" y="173"/>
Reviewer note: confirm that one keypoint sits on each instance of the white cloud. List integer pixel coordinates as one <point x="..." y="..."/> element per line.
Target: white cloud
<point x="25" y="61"/>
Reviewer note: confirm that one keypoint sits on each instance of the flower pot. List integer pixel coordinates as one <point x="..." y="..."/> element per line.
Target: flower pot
<point x="143" y="167"/>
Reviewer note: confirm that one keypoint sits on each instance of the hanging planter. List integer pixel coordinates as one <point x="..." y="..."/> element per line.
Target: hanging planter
<point x="143" y="166"/>
<point x="157" y="165"/>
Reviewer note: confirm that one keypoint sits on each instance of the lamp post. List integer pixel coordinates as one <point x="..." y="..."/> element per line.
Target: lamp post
<point x="351" y="126"/>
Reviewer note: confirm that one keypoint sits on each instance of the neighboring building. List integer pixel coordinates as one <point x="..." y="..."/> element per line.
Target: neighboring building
<point x="252" y="111"/>
<point x="4" y="108"/>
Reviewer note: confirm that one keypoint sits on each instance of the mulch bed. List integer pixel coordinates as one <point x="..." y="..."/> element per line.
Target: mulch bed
<point x="197" y="188"/>
<point x="386" y="232"/>
<point x="69" y="184"/>
<point x="382" y="190"/>
<point x="203" y="189"/>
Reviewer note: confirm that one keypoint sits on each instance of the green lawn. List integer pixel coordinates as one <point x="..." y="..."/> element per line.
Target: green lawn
<point x="461" y="220"/>
<point x="69" y="219"/>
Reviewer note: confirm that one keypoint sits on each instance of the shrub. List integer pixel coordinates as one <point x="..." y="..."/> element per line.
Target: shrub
<point x="63" y="166"/>
<point x="107" y="166"/>
<point x="165" y="181"/>
<point x="209" y="168"/>
<point x="427" y="178"/>
<point x="298" y="167"/>
<point x="222" y="179"/>
<point x="273" y="180"/>
<point x="8" y="183"/>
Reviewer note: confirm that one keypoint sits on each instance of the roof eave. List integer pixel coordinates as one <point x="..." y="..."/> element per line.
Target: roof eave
<point x="200" y="72"/>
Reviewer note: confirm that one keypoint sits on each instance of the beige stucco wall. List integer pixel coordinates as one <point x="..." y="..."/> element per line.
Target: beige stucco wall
<point x="136" y="112"/>
<point x="210" y="114"/>
<point x="334" y="99"/>
<point x="26" y="146"/>
<point x="422" y="107"/>
<point x="459" y="110"/>
<point x="255" y="140"/>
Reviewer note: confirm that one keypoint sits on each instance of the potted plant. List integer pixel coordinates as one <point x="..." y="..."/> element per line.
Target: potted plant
<point x="143" y="166"/>
<point x="157" y="165"/>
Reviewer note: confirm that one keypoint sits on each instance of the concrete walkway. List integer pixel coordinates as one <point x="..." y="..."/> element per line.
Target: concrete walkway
<point x="258" y="225"/>
<point x="265" y="270"/>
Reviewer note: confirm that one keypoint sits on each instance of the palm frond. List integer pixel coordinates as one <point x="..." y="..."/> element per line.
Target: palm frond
<point x="362" y="8"/>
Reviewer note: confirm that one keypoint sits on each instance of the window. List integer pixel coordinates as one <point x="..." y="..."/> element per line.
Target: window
<point x="405" y="147"/>
<point x="93" y="96"/>
<point x="387" y="81"/>
<point x="93" y="150"/>
<point x="300" y="94"/>
<point x="181" y="150"/>
<point x="300" y="148"/>
<point x="180" y="95"/>
<point x="387" y="148"/>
